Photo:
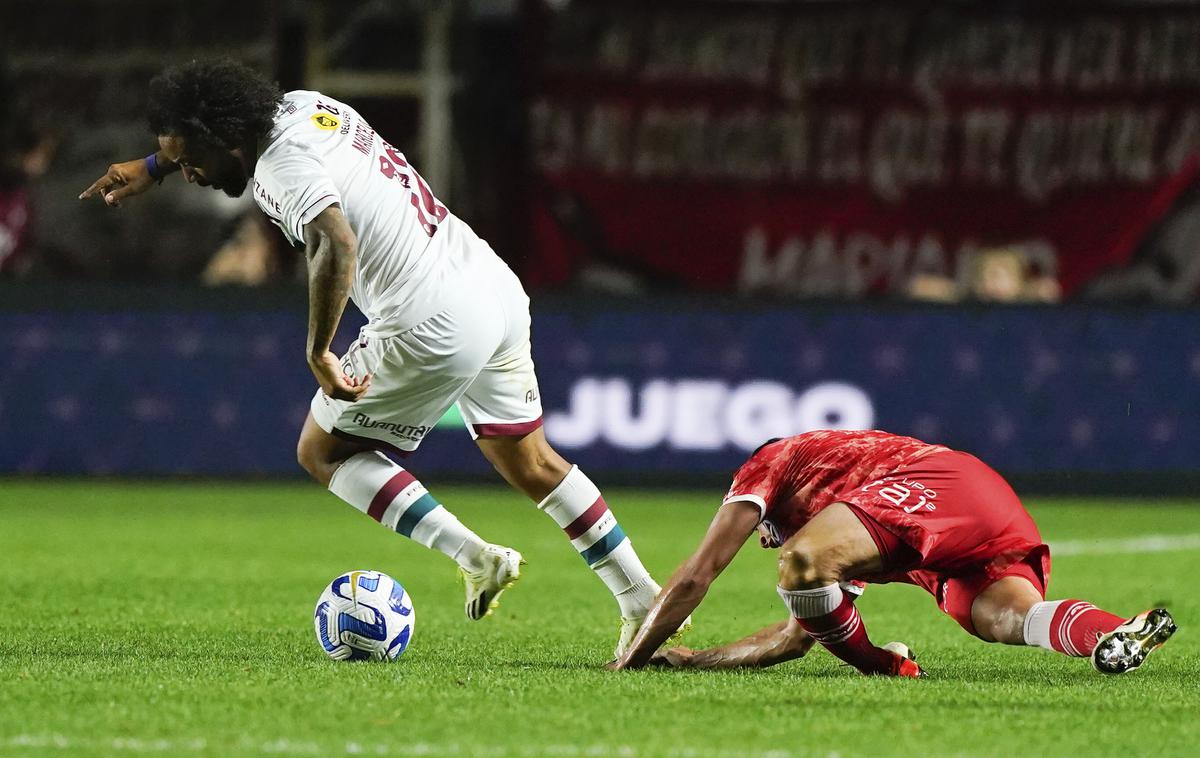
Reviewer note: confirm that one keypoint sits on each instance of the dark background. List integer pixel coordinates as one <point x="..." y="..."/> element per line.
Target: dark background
<point x="977" y="220"/>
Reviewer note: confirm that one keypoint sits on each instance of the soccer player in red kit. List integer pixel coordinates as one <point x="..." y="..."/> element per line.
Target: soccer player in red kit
<point x="877" y="507"/>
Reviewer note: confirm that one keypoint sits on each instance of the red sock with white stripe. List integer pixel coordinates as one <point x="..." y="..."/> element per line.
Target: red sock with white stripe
<point x="375" y="485"/>
<point x="829" y="616"/>
<point x="577" y="506"/>
<point x="1071" y="627"/>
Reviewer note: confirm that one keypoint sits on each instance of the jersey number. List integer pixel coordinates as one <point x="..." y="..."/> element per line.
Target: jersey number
<point x="430" y="212"/>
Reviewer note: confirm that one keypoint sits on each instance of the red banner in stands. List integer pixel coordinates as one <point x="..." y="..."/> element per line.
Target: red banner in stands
<point x="841" y="150"/>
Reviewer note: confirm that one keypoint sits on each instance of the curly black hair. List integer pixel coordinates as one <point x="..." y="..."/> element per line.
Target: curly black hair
<point x="220" y="103"/>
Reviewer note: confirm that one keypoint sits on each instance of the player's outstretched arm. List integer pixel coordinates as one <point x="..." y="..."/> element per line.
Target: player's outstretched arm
<point x="776" y="643"/>
<point x="123" y="180"/>
<point x="733" y="523"/>
<point x="332" y="251"/>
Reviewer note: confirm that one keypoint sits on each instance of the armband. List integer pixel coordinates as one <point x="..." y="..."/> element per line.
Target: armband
<point x="152" y="168"/>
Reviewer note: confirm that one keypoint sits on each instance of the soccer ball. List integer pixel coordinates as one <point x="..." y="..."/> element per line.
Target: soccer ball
<point x="364" y="615"/>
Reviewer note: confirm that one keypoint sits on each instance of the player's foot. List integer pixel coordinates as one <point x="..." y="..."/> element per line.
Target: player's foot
<point x="630" y="627"/>
<point x="1125" y="648"/>
<point x="906" y="661"/>
<point x="501" y="567"/>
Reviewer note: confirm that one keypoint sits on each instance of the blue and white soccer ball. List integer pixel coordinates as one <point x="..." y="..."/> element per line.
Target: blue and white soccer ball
<point x="364" y="615"/>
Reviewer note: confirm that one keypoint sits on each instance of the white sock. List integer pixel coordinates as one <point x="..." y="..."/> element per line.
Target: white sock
<point x="638" y="596"/>
<point x="577" y="506"/>
<point x="807" y="604"/>
<point x="1037" y="623"/>
<point x="375" y="485"/>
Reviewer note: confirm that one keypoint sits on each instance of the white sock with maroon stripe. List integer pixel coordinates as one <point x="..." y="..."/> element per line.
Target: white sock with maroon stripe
<point x="375" y="485"/>
<point x="578" y="508"/>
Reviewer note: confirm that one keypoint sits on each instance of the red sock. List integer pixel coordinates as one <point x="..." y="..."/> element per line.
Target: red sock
<point x="1077" y="625"/>
<point x="842" y="633"/>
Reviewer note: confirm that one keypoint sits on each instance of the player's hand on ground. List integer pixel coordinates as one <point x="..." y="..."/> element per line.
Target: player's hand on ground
<point x="336" y="383"/>
<point x="676" y="657"/>
<point x="120" y="181"/>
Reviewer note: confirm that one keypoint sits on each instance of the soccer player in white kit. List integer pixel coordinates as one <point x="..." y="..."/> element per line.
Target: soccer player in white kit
<point x="448" y="320"/>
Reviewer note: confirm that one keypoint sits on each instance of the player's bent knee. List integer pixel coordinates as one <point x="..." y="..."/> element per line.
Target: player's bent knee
<point x="318" y="459"/>
<point x="311" y="461"/>
<point x="800" y="568"/>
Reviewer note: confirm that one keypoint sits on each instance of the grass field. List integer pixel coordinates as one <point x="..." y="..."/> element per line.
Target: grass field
<point x="177" y="619"/>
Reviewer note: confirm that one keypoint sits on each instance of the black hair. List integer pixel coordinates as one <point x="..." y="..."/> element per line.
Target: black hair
<point x="219" y="103"/>
<point x="771" y="441"/>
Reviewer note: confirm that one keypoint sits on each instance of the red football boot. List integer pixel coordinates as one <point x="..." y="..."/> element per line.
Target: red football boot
<point x="906" y="661"/>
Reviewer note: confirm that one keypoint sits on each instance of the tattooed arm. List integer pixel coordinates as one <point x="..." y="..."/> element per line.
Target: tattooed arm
<point x="332" y="252"/>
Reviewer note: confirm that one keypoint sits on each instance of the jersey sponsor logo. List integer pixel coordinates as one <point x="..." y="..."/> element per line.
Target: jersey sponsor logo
<point x="702" y="415"/>
<point x="905" y="493"/>
<point x="264" y="198"/>
<point x="325" y="121"/>
<point x="403" y="431"/>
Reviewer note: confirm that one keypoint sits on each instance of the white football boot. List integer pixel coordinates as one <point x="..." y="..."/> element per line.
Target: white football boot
<point x="631" y="624"/>
<point x="501" y="567"/>
<point x="1125" y="648"/>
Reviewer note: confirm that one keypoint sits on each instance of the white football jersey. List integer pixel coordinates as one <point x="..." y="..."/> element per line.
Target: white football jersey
<point x="412" y="252"/>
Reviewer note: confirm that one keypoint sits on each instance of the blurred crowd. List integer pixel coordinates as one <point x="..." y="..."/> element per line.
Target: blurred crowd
<point x="49" y="152"/>
<point x="26" y="150"/>
<point x="218" y="241"/>
<point x="73" y="107"/>
<point x="997" y="275"/>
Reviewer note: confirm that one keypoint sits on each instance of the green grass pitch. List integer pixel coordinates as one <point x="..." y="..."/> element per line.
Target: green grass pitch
<point x="177" y="619"/>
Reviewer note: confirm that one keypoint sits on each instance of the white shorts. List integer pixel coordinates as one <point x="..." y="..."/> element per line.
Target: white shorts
<point x="475" y="353"/>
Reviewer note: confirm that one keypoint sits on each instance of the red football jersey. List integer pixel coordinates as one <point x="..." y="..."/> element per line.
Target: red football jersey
<point x="794" y="479"/>
<point x="965" y="523"/>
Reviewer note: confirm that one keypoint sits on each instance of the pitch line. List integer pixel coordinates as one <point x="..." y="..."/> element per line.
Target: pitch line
<point x="1150" y="543"/>
<point x="158" y="745"/>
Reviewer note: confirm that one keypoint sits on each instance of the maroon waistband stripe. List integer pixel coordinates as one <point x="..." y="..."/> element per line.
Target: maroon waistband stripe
<point x="517" y="429"/>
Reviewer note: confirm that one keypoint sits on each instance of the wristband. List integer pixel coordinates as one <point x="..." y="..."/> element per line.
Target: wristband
<point x="152" y="167"/>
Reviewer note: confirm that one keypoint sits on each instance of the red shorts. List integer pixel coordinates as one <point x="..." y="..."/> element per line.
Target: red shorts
<point x="952" y="525"/>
